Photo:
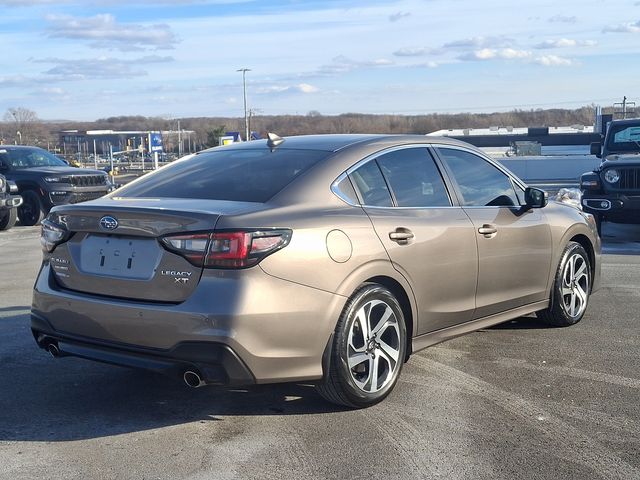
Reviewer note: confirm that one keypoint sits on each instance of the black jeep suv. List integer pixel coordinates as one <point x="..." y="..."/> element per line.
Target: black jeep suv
<point x="45" y="180"/>
<point x="8" y="203"/>
<point x="612" y="191"/>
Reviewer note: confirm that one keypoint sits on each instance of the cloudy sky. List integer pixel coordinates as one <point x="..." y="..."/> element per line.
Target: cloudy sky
<point x="82" y="60"/>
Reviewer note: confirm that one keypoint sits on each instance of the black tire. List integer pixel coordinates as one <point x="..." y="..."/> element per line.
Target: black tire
<point x="356" y="386"/>
<point x="567" y="289"/>
<point x="8" y="218"/>
<point x="31" y="212"/>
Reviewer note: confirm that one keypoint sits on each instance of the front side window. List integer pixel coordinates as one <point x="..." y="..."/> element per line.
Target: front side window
<point x="371" y="186"/>
<point x="481" y="184"/>
<point x="414" y="178"/>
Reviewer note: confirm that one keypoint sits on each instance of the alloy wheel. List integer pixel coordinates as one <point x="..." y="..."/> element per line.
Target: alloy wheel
<point x="374" y="346"/>
<point x="575" y="285"/>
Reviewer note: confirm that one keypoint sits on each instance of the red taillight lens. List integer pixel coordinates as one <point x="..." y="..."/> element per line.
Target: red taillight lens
<point x="238" y="249"/>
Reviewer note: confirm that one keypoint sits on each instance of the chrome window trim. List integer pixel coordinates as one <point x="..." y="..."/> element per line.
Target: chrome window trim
<point x="384" y="151"/>
<point x="338" y="193"/>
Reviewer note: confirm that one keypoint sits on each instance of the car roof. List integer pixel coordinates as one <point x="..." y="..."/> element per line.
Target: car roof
<point x="19" y="147"/>
<point x="626" y="121"/>
<point x="336" y="142"/>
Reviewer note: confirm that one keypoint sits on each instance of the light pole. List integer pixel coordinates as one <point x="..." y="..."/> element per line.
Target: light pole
<point x="244" y="91"/>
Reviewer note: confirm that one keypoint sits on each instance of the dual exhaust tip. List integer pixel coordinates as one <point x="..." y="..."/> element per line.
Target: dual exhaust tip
<point x="191" y="378"/>
<point x="53" y="349"/>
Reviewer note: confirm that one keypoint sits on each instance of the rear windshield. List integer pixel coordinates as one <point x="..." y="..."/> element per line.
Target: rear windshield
<point x="236" y="175"/>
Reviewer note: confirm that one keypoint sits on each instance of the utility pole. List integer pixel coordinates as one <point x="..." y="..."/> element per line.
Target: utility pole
<point x="244" y="94"/>
<point x="179" y="140"/>
<point x="95" y="155"/>
<point x="625" y="108"/>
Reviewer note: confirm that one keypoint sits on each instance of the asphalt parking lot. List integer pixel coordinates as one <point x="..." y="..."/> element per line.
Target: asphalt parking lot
<point x="515" y="401"/>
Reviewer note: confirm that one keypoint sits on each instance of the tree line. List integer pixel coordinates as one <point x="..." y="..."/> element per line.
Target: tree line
<point x="21" y="125"/>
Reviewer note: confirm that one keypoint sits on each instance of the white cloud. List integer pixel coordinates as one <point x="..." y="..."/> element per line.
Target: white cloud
<point x="100" y="68"/>
<point x="343" y="64"/>
<point x="563" y="19"/>
<point x="482" y="42"/>
<point x="565" y="43"/>
<point x="554" y="61"/>
<point x="492" y="53"/>
<point x="398" y="16"/>
<point x="282" y="89"/>
<point x="103" y="31"/>
<point x="631" y="27"/>
<point x="415" y="52"/>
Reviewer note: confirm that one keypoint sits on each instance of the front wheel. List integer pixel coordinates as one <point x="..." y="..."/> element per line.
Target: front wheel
<point x="8" y="219"/>
<point x="31" y="212"/>
<point x="571" y="288"/>
<point x="368" y="351"/>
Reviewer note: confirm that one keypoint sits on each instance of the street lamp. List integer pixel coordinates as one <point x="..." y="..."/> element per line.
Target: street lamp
<point x="244" y="90"/>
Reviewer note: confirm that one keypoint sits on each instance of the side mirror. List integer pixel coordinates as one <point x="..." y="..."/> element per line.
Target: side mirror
<point x="596" y="149"/>
<point x="536" y="198"/>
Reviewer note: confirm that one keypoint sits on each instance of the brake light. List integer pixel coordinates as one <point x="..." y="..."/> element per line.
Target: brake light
<point x="52" y="234"/>
<point x="237" y="249"/>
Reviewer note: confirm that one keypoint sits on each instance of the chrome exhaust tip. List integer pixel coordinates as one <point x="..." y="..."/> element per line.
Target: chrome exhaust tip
<point x="192" y="379"/>
<point x="53" y="349"/>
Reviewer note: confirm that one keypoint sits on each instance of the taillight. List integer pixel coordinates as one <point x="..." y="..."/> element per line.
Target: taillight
<point x="227" y="249"/>
<point x="51" y="235"/>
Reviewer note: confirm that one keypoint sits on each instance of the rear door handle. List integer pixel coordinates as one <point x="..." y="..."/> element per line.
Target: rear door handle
<point x="401" y="235"/>
<point x="487" y="229"/>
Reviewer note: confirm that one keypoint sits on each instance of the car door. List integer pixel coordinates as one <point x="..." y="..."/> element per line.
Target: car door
<point x="514" y="243"/>
<point x="431" y="242"/>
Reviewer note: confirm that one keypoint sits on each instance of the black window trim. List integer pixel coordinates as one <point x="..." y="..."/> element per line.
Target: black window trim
<point x="454" y="203"/>
<point x="514" y="180"/>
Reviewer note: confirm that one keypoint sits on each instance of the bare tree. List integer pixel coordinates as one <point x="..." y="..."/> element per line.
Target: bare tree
<point x="26" y="122"/>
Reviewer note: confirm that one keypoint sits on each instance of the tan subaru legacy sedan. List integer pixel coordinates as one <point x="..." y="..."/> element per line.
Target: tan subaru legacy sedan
<point x="326" y="259"/>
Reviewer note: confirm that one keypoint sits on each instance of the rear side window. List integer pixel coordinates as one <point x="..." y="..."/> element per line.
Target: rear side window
<point x="414" y="178"/>
<point x="481" y="184"/>
<point x="370" y="183"/>
<point x="236" y="175"/>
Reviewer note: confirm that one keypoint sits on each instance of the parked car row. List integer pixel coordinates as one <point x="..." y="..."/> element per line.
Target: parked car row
<point x="43" y="180"/>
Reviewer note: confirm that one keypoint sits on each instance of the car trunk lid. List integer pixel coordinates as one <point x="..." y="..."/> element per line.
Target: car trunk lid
<point x="116" y="246"/>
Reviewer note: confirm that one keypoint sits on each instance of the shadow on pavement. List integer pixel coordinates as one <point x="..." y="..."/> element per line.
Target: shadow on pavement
<point x="51" y="400"/>
<point x="521" y="323"/>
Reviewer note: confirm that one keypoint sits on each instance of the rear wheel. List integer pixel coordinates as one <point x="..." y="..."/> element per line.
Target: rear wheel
<point x="31" y="212"/>
<point x="369" y="348"/>
<point x="571" y="288"/>
<point x="8" y="218"/>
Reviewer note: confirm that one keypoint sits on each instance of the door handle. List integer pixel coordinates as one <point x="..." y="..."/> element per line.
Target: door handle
<point x="487" y="229"/>
<point x="401" y="235"/>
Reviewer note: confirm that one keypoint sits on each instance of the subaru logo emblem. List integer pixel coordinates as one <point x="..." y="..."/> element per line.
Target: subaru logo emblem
<point x="108" y="223"/>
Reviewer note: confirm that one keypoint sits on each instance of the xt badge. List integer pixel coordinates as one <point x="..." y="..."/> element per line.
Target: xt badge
<point x="178" y="277"/>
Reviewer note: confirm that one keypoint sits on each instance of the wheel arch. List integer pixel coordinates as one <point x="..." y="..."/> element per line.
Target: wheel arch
<point x="584" y="241"/>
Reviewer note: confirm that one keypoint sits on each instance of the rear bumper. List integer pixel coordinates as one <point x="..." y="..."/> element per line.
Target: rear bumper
<point x="277" y="329"/>
<point x="11" y="201"/>
<point x="217" y="364"/>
